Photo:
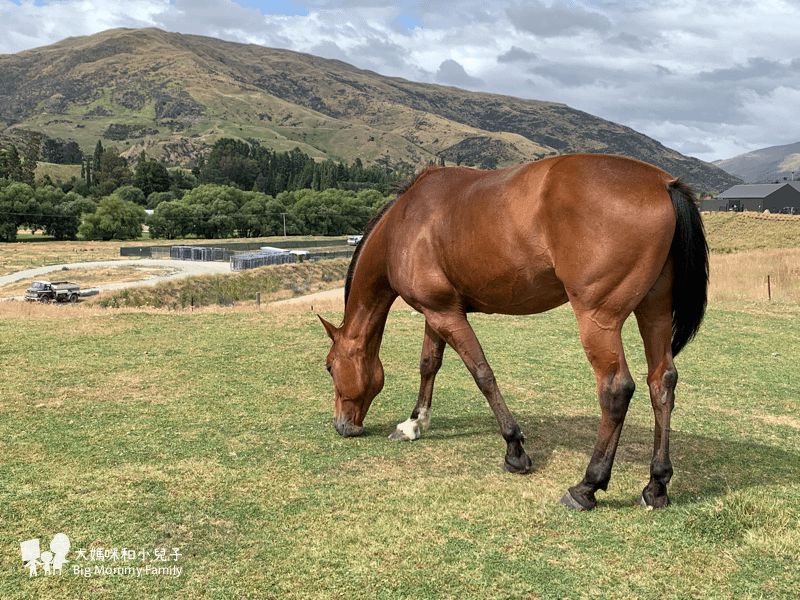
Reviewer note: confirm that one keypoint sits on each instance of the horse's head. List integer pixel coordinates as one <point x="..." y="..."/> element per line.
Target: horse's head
<point x="357" y="379"/>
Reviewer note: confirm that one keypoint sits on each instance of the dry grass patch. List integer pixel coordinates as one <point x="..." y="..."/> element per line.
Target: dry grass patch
<point x="743" y="276"/>
<point x="19" y="256"/>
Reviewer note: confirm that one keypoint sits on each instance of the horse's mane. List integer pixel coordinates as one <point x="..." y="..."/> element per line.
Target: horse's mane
<point x="398" y="188"/>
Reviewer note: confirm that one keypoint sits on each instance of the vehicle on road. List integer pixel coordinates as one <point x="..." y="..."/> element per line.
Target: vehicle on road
<point x="55" y="291"/>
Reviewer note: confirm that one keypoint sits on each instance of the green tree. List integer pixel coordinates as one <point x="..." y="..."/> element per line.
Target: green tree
<point x="181" y="181"/>
<point x="62" y="225"/>
<point x="133" y="194"/>
<point x="28" y="174"/>
<point x="170" y="220"/>
<point x="95" y="166"/>
<point x="331" y="212"/>
<point x="18" y="205"/>
<point x="156" y="198"/>
<point x="12" y="164"/>
<point x="115" y="219"/>
<point x="213" y="208"/>
<point x="263" y="215"/>
<point x="79" y="186"/>
<point x="66" y="216"/>
<point x="230" y="163"/>
<point x="52" y="150"/>
<point x="151" y="176"/>
<point x="77" y="205"/>
<point x="114" y="171"/>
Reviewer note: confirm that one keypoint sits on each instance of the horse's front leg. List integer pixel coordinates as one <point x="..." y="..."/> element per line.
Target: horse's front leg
<point x="456" y="330"/>
<point x="432" y="350"/>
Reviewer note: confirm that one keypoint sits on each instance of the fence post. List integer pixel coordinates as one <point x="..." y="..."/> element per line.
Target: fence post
<point x="258" y="298"/>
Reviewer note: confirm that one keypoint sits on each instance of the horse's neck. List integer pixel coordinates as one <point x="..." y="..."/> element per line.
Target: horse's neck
<point x="370" y="298"/>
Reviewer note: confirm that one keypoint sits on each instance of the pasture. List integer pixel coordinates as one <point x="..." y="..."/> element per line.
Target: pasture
<point x="211" y="433"/>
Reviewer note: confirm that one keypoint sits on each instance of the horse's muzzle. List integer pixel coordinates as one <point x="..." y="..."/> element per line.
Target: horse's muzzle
<point x="347" y="429"/>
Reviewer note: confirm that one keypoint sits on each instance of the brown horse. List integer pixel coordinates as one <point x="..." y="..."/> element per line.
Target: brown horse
<point x="611" y="235"/>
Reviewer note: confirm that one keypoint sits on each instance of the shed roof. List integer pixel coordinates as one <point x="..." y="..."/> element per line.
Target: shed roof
<point x="761" y="190"/>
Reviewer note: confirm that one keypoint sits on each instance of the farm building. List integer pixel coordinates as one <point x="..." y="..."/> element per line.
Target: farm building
<point x="774" y="197"/>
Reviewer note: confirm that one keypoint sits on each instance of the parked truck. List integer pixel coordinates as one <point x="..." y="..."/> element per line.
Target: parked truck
<point x="53" y="291"/>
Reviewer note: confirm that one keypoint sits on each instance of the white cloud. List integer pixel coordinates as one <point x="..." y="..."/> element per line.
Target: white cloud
<point x="452" y="73"/>
<point x="706" y="78"/>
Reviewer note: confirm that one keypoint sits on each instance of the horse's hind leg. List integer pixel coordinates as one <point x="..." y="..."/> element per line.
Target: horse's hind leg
<point x="430" y="361"/>
<point x="602" y="342"/>
<point x="654" y="316"/>
<point x="457" y="332"/>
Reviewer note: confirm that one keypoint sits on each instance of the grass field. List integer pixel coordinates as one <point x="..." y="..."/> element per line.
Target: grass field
<point x="208" y="434"/>
<point x="211" y="432"/>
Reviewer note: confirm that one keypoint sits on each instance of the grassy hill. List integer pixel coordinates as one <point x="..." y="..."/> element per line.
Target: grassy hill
<point x="173" y="95"/>
<point x="767" y="165"/>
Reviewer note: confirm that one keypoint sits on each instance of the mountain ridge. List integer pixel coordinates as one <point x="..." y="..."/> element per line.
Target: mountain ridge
<point x="766" y="165"/>
<point x="173" y="95"/>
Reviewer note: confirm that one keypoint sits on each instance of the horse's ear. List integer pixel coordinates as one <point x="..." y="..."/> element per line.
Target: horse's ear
<point x="329" y="329"/>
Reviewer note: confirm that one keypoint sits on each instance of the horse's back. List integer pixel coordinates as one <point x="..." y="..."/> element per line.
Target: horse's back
<point x="520" y="240"/>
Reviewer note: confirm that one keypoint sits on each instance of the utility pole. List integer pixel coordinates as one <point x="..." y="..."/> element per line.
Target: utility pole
<point x="284" y="225"/>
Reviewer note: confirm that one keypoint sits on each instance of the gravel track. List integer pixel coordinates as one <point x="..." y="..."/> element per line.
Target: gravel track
<point x="183" y="268"/>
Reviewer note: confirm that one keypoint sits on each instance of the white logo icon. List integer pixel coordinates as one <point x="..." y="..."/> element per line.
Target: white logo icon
<point x="52" y="561"/>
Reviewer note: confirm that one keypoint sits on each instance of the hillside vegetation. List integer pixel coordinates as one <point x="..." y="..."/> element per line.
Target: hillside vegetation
<point x="174" y="95"/>
<point x="767" y="165"/>
<point x="729" y="232"/>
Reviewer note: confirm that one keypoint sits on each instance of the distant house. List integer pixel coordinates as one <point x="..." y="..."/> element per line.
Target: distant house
<point x="774" y="197"/>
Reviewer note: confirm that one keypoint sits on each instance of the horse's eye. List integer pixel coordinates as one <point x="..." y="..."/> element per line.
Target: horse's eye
<point x="328" y="367"/>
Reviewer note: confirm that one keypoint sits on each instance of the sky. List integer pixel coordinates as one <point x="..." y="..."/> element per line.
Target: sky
<point x="709" y="79"/>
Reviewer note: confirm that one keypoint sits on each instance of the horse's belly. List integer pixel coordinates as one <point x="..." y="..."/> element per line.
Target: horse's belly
<point x="517" y="293"/>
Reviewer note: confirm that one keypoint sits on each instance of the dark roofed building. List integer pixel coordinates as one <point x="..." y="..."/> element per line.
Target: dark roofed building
<point x="774" y="197"/>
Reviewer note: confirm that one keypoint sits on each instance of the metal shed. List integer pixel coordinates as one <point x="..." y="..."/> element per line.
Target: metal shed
<point x="774" y="197"/>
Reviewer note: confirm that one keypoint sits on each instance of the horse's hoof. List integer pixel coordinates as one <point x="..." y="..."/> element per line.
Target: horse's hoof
<point x="660" y="502"/>
<point x="519" y="465"/>
<point x="571" y="503"/>
<point x="407" y="431"/>
<point x="399" y="436"/>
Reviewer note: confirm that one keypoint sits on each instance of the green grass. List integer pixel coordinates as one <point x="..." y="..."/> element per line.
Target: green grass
<point x="212" y="433"/>
<point x="741" y="232"/>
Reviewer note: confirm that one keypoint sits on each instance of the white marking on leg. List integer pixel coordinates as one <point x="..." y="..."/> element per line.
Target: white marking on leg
<point x="410" y="429"/>
<point x="424" y="419"/>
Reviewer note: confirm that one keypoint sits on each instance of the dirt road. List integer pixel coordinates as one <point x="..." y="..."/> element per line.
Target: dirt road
<point x="181" y="268"/>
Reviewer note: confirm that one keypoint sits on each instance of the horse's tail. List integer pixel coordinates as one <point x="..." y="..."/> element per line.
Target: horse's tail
<point x="690" y="262"/>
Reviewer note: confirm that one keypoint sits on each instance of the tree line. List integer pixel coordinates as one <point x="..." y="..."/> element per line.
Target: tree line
<point x="239" y="190"/>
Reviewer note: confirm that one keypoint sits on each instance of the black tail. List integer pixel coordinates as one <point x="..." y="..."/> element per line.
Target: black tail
<point x="690" y="260"/>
